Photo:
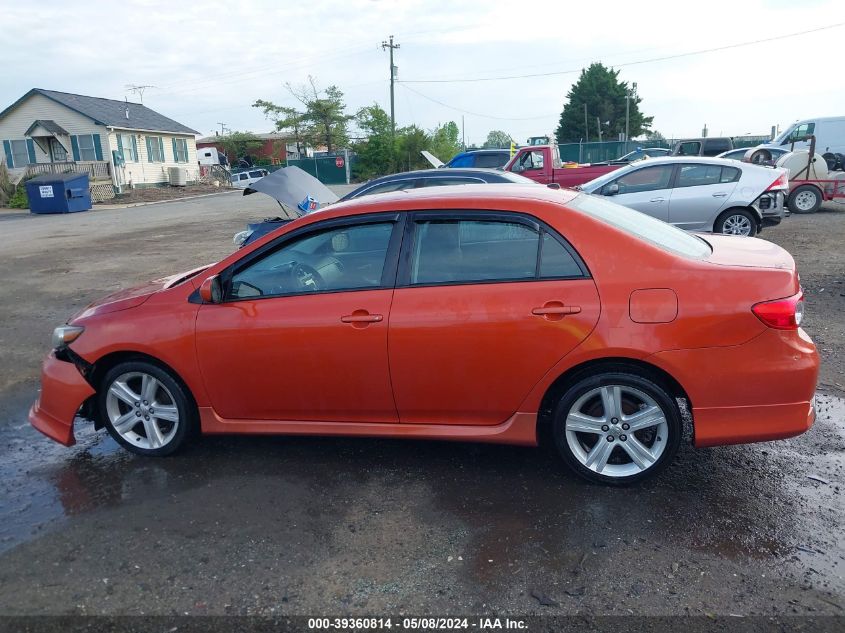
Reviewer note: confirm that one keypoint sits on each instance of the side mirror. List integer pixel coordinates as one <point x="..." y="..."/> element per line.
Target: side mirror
<point x="211" y="290"/>
<point x="553" y="185"/>
<point x="610" y="190"/>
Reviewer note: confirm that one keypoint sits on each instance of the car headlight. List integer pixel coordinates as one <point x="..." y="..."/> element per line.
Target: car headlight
<point x="65" y="334"/>
<point x="241" y="237"/>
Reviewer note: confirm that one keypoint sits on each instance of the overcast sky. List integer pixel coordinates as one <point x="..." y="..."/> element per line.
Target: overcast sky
<point x="209" y="61"/>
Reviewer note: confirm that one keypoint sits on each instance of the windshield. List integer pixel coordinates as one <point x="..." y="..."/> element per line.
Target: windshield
<point x="649" y="229"/>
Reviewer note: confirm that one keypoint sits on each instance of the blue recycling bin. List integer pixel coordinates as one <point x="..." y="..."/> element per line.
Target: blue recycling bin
<point x="58" y="193"/>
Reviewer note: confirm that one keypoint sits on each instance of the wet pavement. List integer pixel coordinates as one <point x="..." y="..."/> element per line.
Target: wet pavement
<point x="267" y="525"/>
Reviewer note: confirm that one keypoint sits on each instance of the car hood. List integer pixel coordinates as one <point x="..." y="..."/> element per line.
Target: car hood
<point x="134" y="296"/>
<point x="736" y="250"/>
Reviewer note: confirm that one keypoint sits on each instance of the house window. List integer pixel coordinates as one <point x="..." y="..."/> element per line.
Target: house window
<point x="130" y="149"/>
<point x="20" y="155"/>
<point x="180" y="150"/>
<point x="86" y="147"/>
<point x="155" y="149"/>
<point x="58" y="151"/>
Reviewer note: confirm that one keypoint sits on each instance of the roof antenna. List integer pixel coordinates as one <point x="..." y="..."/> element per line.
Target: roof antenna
<point x="126" y="111"/>
<point x="138" y="90"/>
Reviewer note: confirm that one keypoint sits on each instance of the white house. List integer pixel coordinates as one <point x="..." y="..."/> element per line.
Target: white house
<point x="124" y="142"/>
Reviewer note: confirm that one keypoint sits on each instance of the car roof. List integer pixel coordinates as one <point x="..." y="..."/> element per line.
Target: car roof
<point x="426" y="173"/>
<point x="670" y="160"/>
<point x="489" y="196"/>
<point x="485" y="150"/>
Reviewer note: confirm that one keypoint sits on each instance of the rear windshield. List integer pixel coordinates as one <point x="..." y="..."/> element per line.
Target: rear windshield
<point x="645" y="227"/>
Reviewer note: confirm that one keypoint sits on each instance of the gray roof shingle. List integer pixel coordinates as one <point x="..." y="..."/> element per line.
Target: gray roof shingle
<point x="112" y="112"/>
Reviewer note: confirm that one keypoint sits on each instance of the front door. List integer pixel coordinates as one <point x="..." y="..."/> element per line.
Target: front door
<point x="302" y="331"/>
<point x="646" y="189"/>
<point x="486" y="304"/>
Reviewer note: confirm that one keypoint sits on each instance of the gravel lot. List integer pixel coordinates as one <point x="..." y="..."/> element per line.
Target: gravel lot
<point x="263" y="525"/>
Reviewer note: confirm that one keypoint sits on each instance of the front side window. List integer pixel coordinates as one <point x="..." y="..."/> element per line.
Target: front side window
<point x="20" y="154"/>
<point x="180" y="150"/>
<point x="645" y="179"/>
<point x="530" y="160"/>
<point x="467" y="251"/>
<point x="343" y="258"/>
<point x="690" y="148"/>
<point x="86" y="147"/>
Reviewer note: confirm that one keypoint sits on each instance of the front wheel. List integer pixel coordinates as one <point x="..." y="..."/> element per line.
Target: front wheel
<point x="145" y="409"/>
<point x="736" y="222"/>
<point x="617" y="428"/>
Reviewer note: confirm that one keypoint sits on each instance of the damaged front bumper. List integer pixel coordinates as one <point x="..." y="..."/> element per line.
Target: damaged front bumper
<point x="63" y="391"/>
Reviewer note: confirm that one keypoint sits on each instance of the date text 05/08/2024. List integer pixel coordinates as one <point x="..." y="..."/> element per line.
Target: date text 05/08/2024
<point x="417" y="624"/>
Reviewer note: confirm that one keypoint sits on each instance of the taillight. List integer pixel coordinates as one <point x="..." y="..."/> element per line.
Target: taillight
<point x="781" y="182"/>
<point x="781" y="314"/>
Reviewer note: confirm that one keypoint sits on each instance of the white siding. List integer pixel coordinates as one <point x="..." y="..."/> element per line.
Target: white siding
<point x="145" y="172"/>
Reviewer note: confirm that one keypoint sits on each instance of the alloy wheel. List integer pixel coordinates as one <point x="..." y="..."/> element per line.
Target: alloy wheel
<point x="736" y="225"/>
<point x="142" y="410"/>
<point x="616" y="430"/>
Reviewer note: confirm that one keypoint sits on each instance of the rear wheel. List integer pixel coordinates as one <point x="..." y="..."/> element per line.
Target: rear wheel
<point x="805" y="199"/>
<point x="736" y="222"/>
<point x="617" y="428"/>
<point x="145" y="409"/>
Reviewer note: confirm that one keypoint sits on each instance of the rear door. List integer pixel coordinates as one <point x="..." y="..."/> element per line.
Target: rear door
<point x="700" y="193"/>
<point x="646" y="189"/>
<point x="485" y="305"/>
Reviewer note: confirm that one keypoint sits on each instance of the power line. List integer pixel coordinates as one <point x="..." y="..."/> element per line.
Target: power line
<point x="634" y="63"/>
<point x="485" y="116"/>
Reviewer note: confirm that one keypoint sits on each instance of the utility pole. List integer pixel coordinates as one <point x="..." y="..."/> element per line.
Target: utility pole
<point x="629" y="94"/>
<point x="391" y="46"/>
<point x="598" y="126"/>
<point x="464" y="134"/>
<point x="222" y="128"/>
<point x="586" y="126"/>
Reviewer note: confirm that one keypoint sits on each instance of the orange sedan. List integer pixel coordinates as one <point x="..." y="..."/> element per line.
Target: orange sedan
<point x="496" y="313"/>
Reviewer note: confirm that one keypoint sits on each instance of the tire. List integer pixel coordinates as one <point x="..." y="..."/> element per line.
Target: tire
<point x="167" y="414"/>
<point x="736" y="222"/>
<point x="624" y="463"/>
<point x="830" y="159"/>
<point x="804" y="199"/>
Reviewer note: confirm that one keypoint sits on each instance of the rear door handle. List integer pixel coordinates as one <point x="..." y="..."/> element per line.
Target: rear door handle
<point x="556" y="309"/>
<point x="361" y="316"/>
<point x="721" y="194"/>
<point x="656" y="200"/>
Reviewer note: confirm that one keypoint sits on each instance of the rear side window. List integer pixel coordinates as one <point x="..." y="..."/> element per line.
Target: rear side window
<point x="698" y="175"/>
<point x="690" y="148"/>
<point x="716" y="146"/>
<point x="491" y="160"/>
<point x="256" y="174"/>
<point x="661" y="234"/>
<point x="730" y="174"/>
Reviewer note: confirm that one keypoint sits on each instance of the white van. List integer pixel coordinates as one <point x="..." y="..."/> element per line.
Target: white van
<point x="829" y="133"/>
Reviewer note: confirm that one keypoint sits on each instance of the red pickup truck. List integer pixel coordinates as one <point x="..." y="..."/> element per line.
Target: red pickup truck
<point x="542" y="163"/>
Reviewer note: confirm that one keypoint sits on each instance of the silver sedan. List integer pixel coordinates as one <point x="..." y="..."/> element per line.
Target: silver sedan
<point x="699" y="194"/>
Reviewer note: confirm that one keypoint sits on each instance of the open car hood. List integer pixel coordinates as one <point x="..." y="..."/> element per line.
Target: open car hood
<point x="290" y="186"/>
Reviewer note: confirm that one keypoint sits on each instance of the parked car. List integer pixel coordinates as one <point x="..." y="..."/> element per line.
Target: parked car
<point x="699" y="194"/>
<point x="639" y="154"/>
<point x="396" y="182"/>
<point x="767" y="157"/>
<point x="246" y="178"/>
<point x="708" y="146"/>
<point x="493" y="313"/>
<point x="489" y="158"/>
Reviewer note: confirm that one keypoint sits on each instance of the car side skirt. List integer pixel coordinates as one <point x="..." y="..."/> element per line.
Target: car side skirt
<point x="520" y="429"/>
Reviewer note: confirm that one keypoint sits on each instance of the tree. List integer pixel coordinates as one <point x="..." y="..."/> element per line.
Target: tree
<point x="445" y="141"/>
<point x="238" y="144"/>
<point x="287" y="121"/>
<point x="412" y="140"/>
<point x="498" y="139"/>
<point x="325" y="112"/>
<point x="377" y="152"/>
<point x="654" y="135"/>
<point x="600" y="89"/>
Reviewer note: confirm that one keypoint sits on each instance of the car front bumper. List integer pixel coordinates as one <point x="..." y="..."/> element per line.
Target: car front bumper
<point x="63" y="390"/>
<point x="759" y="391"/>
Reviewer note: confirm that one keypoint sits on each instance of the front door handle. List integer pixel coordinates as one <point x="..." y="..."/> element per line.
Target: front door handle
<point x="721" y="194"/>
<point x="656" y="200"/>
<point x="555" y="310"/>
<point x="361" y="317"/>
